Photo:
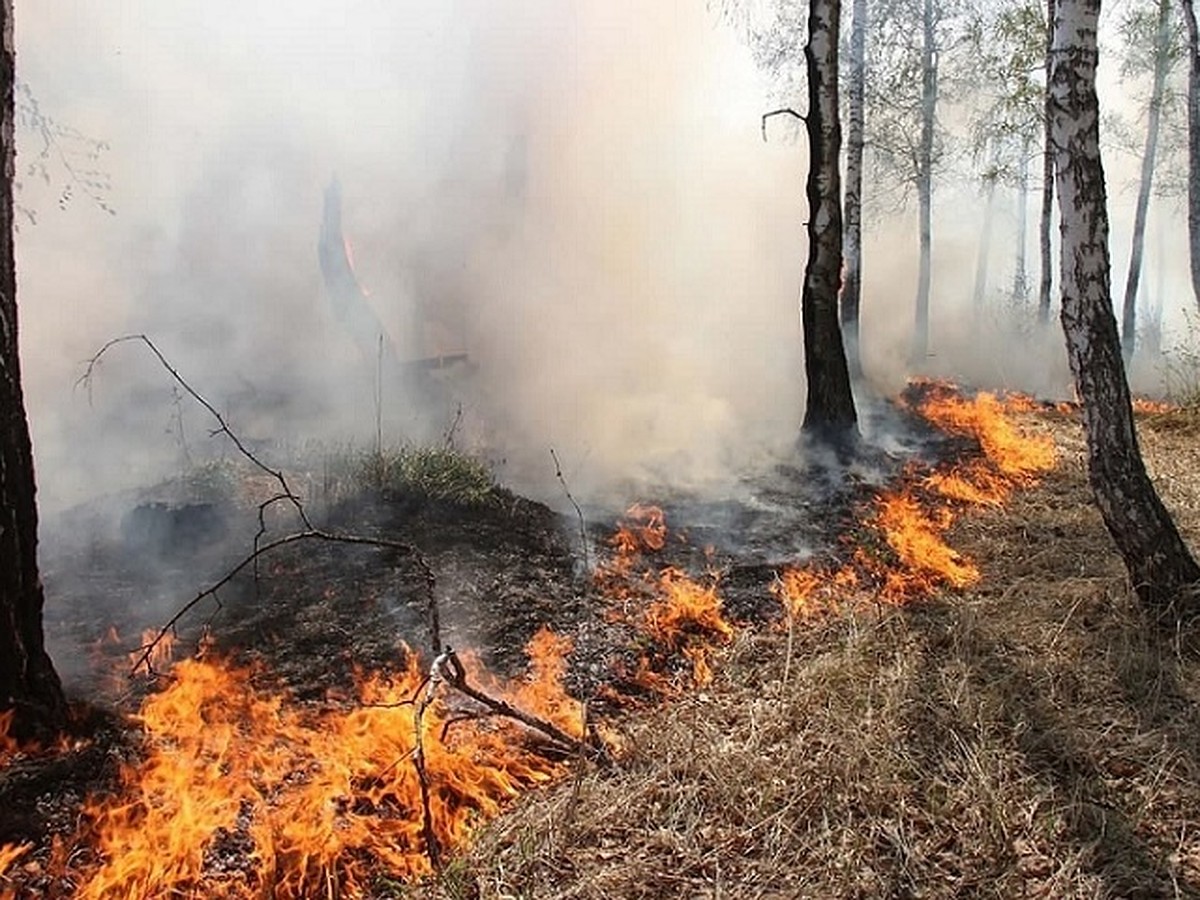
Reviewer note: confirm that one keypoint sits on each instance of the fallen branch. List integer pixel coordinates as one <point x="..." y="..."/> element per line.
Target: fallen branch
<point x="456" y="676"/>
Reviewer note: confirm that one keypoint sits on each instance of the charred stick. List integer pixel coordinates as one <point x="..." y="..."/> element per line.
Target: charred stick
<point x="583" y="538"/>
<point x="456" y="676"/>
<point x="436" y="675"/>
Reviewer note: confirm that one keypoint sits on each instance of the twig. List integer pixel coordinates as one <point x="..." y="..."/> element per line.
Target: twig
<point x="456" y="676"/>
<point x="286" y="494"/>
<point x="309" y="534"/>
<point x="583" y="539"/>
<point x="436" y="674"/>
<point x="448" y="438"/>
<point x="223" y="426"/>
<point x="785" y="111"/>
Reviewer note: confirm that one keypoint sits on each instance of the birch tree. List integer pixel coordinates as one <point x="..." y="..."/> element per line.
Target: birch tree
<point x="1161" y="569"/>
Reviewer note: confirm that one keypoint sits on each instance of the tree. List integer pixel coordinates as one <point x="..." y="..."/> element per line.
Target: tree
<point x="1046" y="217"/>
<point x="1193" y="129"/>
<point x="829" y="414"/>
<point x="1163" y="57"/>
<point x="852" y="202"/>
<point x="1160" y="567"/>
<point x="29" y="686"/>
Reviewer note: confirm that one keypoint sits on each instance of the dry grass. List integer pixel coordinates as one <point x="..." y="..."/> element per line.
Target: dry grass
<point x="1035" y="737"/>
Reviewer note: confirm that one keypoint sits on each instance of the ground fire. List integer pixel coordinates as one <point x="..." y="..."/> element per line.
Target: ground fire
<point x="238" y="788"/>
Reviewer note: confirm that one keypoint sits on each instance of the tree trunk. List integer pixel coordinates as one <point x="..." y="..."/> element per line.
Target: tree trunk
<point x="984" y="256"/>
<point x="1161" y="63"/>
<point x="920" y="348"/>
<point x="1047" y="217"/>
<point x="829" y="415"/>
<point x="28" y="683"/>
<point x="855" y="141"/>
<point x="1193" y="127"/>
<point x="1159" y="564"/>
<point x="1020" y="291"/>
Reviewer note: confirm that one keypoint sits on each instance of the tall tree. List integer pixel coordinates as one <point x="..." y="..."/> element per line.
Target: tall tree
<point x="28" y="683"/>
<point x="829" y="414"/>
<point x="1162" y="54"/>
<point x="924" y="161"/>
<point x="1045" y="221"/>
<point x="1160" y="567"/>
<point x="1193" y="129"/>
<point x="852" y="202"/>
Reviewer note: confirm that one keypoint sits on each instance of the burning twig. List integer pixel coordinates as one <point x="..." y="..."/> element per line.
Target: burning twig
<point x="455" y="675"/>
<point x="436" y="675"/>
<point x="583" y="539"/>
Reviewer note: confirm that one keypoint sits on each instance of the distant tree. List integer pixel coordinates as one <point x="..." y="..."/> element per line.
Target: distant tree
<point x="29" y="686"/>
<point x="1161" y="569"/>
<point x="1156" y="31"/>
<point x="1008" y="56"/>
<point x="1193" y="130"/>
<point x="1046" y="216"/>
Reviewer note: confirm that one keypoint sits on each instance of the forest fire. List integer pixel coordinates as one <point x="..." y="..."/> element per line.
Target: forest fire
<point x="681" y="615"/>
<point x="912" y="519"/>
<point x="242" y="792"/>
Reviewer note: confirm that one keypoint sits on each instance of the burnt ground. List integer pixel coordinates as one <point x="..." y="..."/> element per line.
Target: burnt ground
<point x="315" y="613"/>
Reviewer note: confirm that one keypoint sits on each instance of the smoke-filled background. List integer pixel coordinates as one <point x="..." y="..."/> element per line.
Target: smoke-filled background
<point x="577" y="195"/>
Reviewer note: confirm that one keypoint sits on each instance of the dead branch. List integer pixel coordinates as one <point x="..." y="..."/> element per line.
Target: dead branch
<point x="286" y="491"/>
<point x="785" y="111"/>
<point x="285" y="494"/>
<point x="583" y="538"/>
<point x="436" y="675"/>
<point x="310" y="534"/>
<point x="456" y="676"/>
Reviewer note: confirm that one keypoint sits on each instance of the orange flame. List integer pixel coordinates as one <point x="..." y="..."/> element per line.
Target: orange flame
<point x="242" y="794"/>
<point x="162" y="651"/>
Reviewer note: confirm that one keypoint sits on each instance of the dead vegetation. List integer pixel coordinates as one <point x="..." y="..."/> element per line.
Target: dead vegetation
<point x="1035" y="736"/>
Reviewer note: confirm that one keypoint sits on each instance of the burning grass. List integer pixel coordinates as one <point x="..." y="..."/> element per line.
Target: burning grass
<point x="1029" y="736"/>
<point x="1034" y="735"/>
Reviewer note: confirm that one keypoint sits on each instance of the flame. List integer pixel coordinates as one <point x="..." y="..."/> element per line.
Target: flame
<point x="9" y="854"/>
<point x="162" y="651"/>
<point x="643" y="529"/>
<point x="242" y="793"/>
<point x="1152" y="407"/>
<point x="912" y="520"/>
<point x="8" y="744"/>
<point x="1016" y="456"/>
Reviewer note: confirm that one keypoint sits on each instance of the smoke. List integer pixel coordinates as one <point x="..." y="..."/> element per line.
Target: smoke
<point x="576" y="195"/>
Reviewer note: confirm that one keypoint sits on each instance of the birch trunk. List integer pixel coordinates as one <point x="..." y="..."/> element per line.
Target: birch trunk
<point x="1160" y="567"/>
<point x="829" y="415"/>
<point x="1161" y="62"/>
<point x="855" y="141"/>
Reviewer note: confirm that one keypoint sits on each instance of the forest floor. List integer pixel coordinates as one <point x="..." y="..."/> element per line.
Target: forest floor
<point x="1032" y="735"/>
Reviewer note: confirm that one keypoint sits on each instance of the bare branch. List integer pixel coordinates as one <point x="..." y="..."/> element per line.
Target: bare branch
<point x="785" y="111"/>
<point x="583" y="538"/>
